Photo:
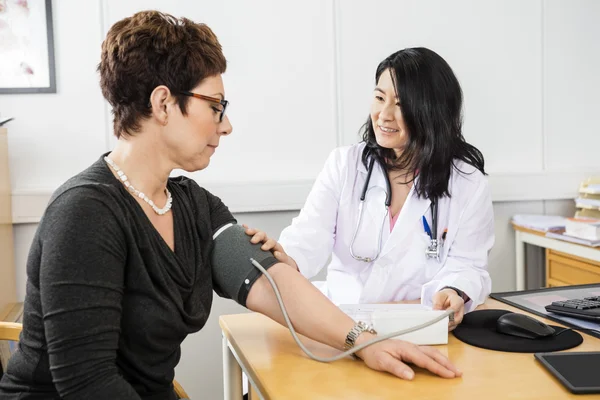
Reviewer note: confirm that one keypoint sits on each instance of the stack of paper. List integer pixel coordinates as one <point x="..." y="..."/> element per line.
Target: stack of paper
<point x="590" y="186"/>
<point x="568" y="238"/>
<point x="588" y="202"/>
<point x="591" y="201"/>
<point x="584" y="228"/>
<point x="542" y="223"/>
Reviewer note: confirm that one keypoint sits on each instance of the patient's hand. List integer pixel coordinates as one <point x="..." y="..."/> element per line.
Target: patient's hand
<point x="270" y="245"/>
<point x="394" y="356"/>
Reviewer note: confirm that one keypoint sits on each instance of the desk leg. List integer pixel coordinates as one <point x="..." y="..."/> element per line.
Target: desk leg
<point x="520" y="261"/>
<point x="232" y="374"/>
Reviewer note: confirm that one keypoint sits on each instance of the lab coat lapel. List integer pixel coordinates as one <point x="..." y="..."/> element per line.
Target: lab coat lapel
<point x="391" y="254"/>
<point x="411" y="213"/>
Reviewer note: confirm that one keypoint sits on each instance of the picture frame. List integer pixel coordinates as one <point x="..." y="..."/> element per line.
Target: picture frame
<point x="26" y="47"/>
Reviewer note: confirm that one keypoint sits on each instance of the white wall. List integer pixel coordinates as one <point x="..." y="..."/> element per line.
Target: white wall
<point x="299" y="80"/>
<point x="472" y="37"/>
<point x="300" y="74"/>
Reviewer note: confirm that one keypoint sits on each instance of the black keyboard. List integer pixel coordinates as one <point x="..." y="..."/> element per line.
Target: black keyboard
<point x="586" y="308"/>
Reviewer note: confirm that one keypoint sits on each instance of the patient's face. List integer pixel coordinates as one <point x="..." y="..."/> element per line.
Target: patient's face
<point x="386" y="115"/>
<point x="193" y="139"/>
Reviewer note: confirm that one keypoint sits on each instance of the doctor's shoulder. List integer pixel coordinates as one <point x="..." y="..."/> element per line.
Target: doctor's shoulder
<point x="346" y="157"/>
<point x="466" y="179"/>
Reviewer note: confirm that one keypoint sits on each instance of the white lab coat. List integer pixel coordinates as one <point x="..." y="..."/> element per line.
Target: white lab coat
<point x="327" y="222"/>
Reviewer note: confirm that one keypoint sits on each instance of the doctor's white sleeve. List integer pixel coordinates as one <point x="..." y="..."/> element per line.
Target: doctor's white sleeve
<point x="467" y="262"/>
<point x="309" y="239"/>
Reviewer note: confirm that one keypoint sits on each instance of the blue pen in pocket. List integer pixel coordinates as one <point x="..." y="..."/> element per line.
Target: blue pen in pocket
<point x="426" y="226"/>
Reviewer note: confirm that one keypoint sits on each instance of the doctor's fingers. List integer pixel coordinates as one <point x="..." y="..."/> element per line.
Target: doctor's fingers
<point x="270" y="244"/>
<point x="252" y="231"/>
<point x="458" y="316"/>
<point x="452" y="325"/>
<point x="249" y="231"/>
<point x="267" y="243"/>
<point x="458" y="305"/>
<point x="284" y="258"/>
<point x="259" y="237"/>
<point x="441" y="301"/>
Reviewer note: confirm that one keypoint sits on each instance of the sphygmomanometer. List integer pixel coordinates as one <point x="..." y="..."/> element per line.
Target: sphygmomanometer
<point x="238" y="263"/>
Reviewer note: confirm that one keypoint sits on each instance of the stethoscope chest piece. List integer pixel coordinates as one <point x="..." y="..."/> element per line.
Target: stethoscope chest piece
<point x="433" y="250"/>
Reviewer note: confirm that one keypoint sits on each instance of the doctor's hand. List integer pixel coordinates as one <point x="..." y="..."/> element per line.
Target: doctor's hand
<point x="270" y="245"/>
<point x="448" y="298"/>
<point x="394" y="355"/>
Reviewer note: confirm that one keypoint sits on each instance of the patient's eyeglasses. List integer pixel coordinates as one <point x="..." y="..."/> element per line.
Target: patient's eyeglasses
<point x="223" y="102"/>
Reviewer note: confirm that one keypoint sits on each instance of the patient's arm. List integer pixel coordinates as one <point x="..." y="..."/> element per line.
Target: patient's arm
<point x="313" y="315"/>
<point x="234" y="275"/>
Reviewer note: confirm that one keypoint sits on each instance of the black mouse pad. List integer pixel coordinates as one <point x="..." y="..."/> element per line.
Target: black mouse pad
<point x="478" y="329"/>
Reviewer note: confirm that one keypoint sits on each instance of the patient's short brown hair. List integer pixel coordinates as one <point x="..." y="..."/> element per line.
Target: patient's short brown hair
<point x="151" y="49"/>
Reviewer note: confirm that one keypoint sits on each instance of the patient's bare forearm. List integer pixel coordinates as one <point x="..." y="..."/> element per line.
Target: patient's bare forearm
<point x="311" y="313"/>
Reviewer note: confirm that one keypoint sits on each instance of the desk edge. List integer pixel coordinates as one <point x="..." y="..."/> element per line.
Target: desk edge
<point x="240" y="357"/>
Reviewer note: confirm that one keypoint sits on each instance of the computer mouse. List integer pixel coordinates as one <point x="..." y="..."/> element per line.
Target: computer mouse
<point x="524" y="326"/>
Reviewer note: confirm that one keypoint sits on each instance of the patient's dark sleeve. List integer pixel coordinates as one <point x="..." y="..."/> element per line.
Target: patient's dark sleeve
<point x="81" y="287"/>
<point x="219" y="213"/>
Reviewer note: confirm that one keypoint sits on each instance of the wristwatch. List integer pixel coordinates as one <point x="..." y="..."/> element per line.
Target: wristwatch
<point x="355" y="332"/>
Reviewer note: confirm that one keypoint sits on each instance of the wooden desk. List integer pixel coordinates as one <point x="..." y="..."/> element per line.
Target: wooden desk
<point x="554" y="247"/>
<point x="278" y="369"/>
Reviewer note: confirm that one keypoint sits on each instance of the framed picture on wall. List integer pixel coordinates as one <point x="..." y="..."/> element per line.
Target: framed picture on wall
<point x="26" y="47"/>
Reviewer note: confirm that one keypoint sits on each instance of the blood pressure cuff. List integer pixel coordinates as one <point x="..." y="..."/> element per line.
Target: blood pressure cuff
<point x="233" y="274"/>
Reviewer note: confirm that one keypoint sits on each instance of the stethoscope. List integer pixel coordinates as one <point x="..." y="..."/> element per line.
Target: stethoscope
<point x="432" y="251"/>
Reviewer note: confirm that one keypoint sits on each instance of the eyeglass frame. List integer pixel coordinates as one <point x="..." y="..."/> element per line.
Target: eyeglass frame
<point x="222" y="102"/>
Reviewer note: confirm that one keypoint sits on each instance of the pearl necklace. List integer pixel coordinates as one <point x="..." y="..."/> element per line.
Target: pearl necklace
<point x="135" y="192"/>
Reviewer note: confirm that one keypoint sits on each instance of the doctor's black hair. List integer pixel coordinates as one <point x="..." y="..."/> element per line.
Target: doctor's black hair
<point x="430" y="98"/>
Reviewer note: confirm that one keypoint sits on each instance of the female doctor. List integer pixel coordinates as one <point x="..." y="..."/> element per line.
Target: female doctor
<point x="406" y="214"/>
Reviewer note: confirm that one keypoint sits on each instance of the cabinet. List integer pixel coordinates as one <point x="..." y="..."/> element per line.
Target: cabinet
<point x="564" y="269"/>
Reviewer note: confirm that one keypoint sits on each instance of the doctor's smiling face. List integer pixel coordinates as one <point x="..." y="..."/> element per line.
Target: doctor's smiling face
<point x="386" y="115"/>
